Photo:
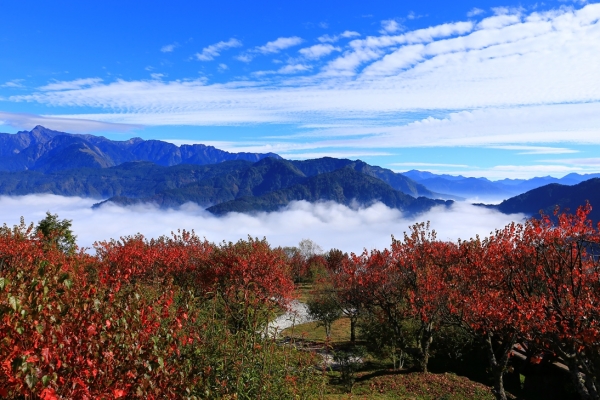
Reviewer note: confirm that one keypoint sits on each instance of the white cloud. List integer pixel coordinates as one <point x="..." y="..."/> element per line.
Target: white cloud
<point x="318" y="50"/>
<point x="335" y="38"/>
<point x="71" y="125"/>
<point x="499" y="21"/>
<point x="15" y="83"/>
<point x="390" y="26"/>
<point x="244" y="57"/>
<point x="536" y="149"/>
<point x="72" y="85"/>
<point x="294" y="68"/>
<point x="349" y="34"/>
<point x="169" y="47"/>
<point x="286" y="70"/>
<point x="586" y="162"/>
<point x="214" y="50"/>
<point x="519" y="126"/>
<point x="372" y="48"/>
<point x="474" y="12"/>
<point x="352" y="154"/>
<point x="328" y="224"/>
<point x="223" y="67"/>
<point x="425" y="164"/>
<point x="279" y="44"/>
<point x="272" y="47"/>
<point x="157" y="76"/>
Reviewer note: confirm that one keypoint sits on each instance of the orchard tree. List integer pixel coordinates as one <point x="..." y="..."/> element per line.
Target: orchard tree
<point x="251" y="279"/>
<point x="384" y="299"/>
<point x="423" y="265"/>
<point x="323" y="306"/>
<point x="347" y="277"/>
<point x="557" y="281"/>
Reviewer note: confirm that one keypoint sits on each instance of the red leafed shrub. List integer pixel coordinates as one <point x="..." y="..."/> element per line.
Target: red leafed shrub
<point x="251" y="279"/>
<point x="141" y="319"/>
<point x="69" y="331"/>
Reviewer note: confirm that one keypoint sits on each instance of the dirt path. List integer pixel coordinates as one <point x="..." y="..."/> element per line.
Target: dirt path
<point x="297" y="315"/>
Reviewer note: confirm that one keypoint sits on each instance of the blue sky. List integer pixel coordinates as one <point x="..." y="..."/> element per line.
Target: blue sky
<point x="479" y="88"/>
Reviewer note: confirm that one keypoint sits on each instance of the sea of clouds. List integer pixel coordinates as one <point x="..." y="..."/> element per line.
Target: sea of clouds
<point x="328" y="224"/>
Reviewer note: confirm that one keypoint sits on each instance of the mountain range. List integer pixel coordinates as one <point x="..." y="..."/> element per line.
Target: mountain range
<point x="485" y="190"/>
<point x="152" y="171"/>
<point x="137" y="170"/>
<point x="45" y="150"/>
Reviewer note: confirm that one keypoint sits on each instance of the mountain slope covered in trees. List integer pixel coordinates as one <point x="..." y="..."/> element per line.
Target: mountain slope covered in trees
<point x="547" y="198"/>
<point x="271" y="184"/>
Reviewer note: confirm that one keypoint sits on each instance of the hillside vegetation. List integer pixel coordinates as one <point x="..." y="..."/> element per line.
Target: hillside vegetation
<point x="180" y="317"/>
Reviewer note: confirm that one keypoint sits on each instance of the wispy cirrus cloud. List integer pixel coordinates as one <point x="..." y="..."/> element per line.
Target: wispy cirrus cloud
<point x="286" y="70"/>
<point x="335" y="38"/>
<point x="584" y="161"/>
<point x="214" y="50"/>
<point x="475" y="12"/>
<point x="318" y="50"/>
<point x="14" y="83"/>
<point x="168" y="48"/>
<point x="281" y="43"/>
<point x="272" y="47"/>
<point x="425" y="164"/>
<point x="72" y="125"/>
<point x="536" y="149"/>
<point x="76" y="84"/>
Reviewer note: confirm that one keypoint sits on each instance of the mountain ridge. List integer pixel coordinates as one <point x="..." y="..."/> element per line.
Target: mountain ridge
<point x="486" y="189"/>
<point x="46" y="150"/>
<point x="546" y="198"/>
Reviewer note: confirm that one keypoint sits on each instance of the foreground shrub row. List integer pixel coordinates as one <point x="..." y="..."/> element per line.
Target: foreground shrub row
<point x="169" y="318"/>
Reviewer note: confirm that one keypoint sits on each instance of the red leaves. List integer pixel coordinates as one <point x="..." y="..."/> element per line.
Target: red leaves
<point x="90" y="326"/>
<point x="48" y="394"/>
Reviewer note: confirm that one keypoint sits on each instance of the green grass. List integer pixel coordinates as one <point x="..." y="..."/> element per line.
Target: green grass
<point x="340" y="332"/>
<point x="303" y="292"/>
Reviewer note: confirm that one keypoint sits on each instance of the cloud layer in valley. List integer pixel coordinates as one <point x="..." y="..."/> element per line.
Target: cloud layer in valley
<point x="328" y="224"/>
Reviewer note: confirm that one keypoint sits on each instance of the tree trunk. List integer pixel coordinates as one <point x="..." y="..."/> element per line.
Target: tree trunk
<point x="327" y="327"/>
<point x="424" y="345"/>
<point x="499" y="385"/>
<point x="578" y="377"/>
<point x="584" y="386"/>
<point x="498" y="366"/>
<point x="352" y="329"/>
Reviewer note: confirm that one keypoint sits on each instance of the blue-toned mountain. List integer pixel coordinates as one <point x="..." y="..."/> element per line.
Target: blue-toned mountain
<point x="45" y="150"/>
<point x="548" y="197"/>
<point x="485" y="189"/>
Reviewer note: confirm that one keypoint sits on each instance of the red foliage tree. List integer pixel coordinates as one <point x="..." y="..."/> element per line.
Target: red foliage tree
<point x="423" y="265"/>
<point x="556" y="281"/>
<point x="251" y="279"/>
<point x="347" y="276"/>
